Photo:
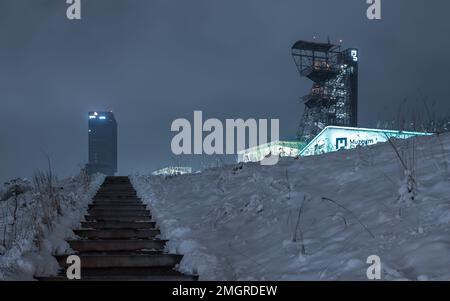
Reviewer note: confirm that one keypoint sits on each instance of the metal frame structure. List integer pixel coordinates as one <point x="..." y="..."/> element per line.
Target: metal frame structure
<point x="333" y="99"/>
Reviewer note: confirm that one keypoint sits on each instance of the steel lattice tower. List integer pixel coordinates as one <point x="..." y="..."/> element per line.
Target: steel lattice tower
<point x="333" y="99"/>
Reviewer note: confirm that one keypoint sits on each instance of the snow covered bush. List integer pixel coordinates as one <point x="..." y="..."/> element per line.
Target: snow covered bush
<point x="406" y="155"/>
<point x="12" y="206"/>
<point x="36" y="219"/>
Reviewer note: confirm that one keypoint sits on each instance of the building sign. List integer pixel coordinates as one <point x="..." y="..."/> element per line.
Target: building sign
<point x="334" y="138"/>
<point x="277" y="148"/>
<point x="330" y="139"/>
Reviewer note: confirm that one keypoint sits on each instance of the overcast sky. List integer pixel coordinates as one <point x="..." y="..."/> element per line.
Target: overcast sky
<point x="152" y="61"/>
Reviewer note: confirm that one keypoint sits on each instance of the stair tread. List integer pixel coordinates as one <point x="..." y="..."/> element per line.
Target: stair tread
<point x="118" y="240"/>
<point x="180" y="277"/>
<point x="118" y="219"/>
<point x="118" y="225"/>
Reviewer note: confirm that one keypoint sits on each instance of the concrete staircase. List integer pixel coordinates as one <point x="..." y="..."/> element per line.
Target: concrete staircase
<point x="118" y="240"/>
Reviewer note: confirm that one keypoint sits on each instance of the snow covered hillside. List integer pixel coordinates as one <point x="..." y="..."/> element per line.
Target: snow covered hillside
<point x="36" y="219"/>
<point x="313" y="218"/>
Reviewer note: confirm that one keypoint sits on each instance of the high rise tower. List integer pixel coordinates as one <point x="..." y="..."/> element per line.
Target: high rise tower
<point x="333" y="99"/>
<point x="102" y="143"/>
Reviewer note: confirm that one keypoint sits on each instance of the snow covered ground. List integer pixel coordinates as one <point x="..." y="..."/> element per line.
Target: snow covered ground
<point x="242" y="222"/>
<point x="30" y="253"/>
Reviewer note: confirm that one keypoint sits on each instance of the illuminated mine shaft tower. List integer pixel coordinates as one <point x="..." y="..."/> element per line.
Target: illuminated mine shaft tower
<point x="333" y="99"/>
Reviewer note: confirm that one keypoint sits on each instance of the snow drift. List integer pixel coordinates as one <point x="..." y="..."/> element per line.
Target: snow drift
<point x="35" y="224"/>
<point x="312" y="218"/>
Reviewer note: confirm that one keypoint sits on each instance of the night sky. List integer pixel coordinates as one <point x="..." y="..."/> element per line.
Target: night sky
<point x="154" y="61"/>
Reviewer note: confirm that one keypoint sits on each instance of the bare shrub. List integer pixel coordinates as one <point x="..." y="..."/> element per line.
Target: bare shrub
<point x="427" y="120"/>
<point x="85" y="178"/>
<point x="407" y="158"/>
<point x="47" y="195"/>
<point x="351" y="213"/>
<point x="28" y="211"/>
<point x="11" y="203"/>
<point x="299" y="229"/>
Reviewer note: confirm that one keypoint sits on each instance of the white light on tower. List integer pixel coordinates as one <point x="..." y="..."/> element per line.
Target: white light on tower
<point x="354" y="54"/>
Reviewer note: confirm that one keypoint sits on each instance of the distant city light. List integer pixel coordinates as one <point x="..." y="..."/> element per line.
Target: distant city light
<point x="354" y="55"/>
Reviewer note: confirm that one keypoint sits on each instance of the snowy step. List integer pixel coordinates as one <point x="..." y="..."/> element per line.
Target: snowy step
<point x="118" y="206"/>
<point x="117" y="178"/>
<point x="119" y="212"/>
<point x="120" y="188"/>
<point x="118" y="225"/>
<point x="116" y="245"/>
<point x="118" y="182"/>
<point x="118" y="219"/>
<point x="130" y="261"/>
<point x="116" y="195"/>
<point x="179" y="277"/>
<point x="117" y="233"/>
<point x="127" y="273"/>
<point x="117" y="186"/>
<point x="117" y="203"/>
<point x="117" y="200"/>
<point x="124" y="181"/>
<point x="112" y="190"/>
<point x="106" y="191"/>
<point x="118" y="240"/>
<point x="131" y="271"/>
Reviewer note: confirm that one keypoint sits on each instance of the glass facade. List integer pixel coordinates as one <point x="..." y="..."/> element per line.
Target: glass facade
<point x="330" y="139"/>
<point x="102" y="143"/>
<point x="172" y="171"/>
<point x="334" y="138"/>
<point x="280" y="148"/>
